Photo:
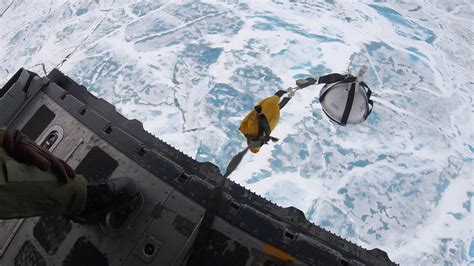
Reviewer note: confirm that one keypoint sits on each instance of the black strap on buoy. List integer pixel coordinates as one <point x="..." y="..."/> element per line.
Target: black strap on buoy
<point x="370" y="101"/>
<point x="349" y="102"/>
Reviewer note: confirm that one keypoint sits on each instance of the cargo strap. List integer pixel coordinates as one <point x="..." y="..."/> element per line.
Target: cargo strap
<point x="263" y="137"/>
<point x="202" y="239"/>
<point x="201" y="243"/>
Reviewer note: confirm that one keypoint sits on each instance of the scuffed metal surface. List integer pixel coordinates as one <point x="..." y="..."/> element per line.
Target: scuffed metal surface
<point x="183" y="225"/>
<point x="223" y="250"/>
<point x="51" y="232"/>
<point x="29" y="255"/>
<point x="85" y="253"/>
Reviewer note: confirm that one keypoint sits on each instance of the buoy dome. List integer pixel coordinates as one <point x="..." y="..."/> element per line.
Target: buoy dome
<point x="337" y="98"/>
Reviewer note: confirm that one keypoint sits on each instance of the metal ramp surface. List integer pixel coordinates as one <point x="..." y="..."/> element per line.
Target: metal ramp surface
<point x="99" y="143"/>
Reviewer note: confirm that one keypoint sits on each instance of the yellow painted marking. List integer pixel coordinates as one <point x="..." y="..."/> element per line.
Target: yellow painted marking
<point x="277" y="253"/>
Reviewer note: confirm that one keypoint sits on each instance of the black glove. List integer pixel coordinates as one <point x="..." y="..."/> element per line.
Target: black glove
<point x="21" y="148"/>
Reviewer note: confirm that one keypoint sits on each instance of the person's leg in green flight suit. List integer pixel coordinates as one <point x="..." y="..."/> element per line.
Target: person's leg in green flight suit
<point x="34" y="182"/>
<point x="26" y="191"/>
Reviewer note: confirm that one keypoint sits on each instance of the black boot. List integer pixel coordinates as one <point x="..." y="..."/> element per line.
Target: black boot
<point x="114" y="198"/>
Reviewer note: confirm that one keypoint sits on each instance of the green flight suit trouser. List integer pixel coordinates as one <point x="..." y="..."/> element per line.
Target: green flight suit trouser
<point x="26" y="191"/>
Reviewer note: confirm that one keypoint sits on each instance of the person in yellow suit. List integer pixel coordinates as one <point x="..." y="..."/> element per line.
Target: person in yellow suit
<point x="34" y="182"/>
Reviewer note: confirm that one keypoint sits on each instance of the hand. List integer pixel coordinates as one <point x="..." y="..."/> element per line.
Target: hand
<point x="21" y="148"/>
